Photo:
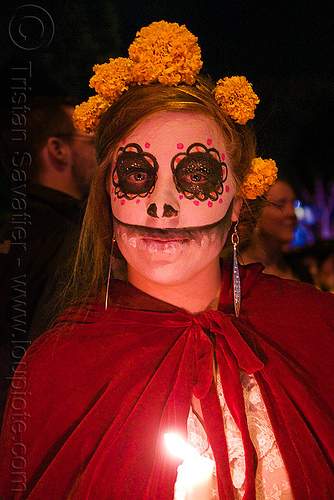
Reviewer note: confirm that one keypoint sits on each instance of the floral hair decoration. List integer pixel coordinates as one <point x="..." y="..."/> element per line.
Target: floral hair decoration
<point x="262" y="175"/>
<point x="168" y="53"/>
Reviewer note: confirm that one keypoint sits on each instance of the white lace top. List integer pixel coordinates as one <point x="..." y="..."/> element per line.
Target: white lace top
<point x="272" y="482"/>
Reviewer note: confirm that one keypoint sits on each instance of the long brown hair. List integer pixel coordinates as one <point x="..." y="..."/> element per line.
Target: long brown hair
<point x="139" y="102"/>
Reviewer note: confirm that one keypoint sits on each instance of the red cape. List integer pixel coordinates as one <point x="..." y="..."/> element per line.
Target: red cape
<point x="90" y="403"/>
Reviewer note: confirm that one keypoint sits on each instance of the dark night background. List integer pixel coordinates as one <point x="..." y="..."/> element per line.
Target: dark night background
<point x="285" y="48"/>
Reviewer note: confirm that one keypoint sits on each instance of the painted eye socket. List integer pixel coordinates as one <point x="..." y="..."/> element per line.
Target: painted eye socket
<point x="135" y="175"/>
<point x="199" y="174"/>
<point x="135" y="172"/>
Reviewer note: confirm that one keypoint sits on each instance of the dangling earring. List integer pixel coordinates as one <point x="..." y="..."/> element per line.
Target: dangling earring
<point x="236" y="276"/>
<point x="109" y="272"/>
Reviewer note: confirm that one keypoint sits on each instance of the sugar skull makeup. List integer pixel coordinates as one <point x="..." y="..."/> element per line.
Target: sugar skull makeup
<point x="135" y="173"/>
<point x="172" y="172"/>
<point x="199" y="173"/>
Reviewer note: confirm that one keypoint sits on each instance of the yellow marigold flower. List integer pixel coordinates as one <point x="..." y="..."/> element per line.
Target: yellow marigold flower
<point x="167" y="53"/>
<point x="113" y="78"/>
<point x="236" y="96"/>
<point x="262" y="175"/>
<point x="86" y="117"/>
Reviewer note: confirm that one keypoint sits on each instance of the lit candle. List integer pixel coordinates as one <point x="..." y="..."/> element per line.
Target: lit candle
<point x="194" y="475"/>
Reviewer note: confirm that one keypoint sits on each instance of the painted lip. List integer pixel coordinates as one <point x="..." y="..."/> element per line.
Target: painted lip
<point x="167" y="239"/>
<point x="163" y="235"/>
<point x="168" y="247"/>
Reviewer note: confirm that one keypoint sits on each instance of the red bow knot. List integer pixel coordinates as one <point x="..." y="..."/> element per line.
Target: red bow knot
<point x="214" y="330"/>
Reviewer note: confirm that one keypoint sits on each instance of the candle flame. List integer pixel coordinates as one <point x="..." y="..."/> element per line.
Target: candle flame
<point x="178" y="447"/>
<point x="194" y="475"/>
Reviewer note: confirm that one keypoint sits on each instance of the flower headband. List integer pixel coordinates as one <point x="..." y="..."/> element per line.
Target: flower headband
<point x="167" y="53"/>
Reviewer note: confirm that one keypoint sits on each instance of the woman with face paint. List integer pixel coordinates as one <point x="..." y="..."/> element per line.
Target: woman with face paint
<point x="172" y="198"/>
<point x="162" y="337"/>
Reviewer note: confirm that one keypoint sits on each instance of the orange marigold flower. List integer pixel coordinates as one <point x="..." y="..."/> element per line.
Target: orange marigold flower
<point x="236" y="96"/>
<point x="167" y="53"/>
<point x="262" y="175"/>
<point x="87" y="115"/>
<point x="113" y="78"/>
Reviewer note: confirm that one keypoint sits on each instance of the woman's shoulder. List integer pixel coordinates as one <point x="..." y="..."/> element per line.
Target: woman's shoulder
<point x="278" y="286"/>
<point x="286" y="302"/>
<point x="262" y="293"/>
<point x="73" y="326"/>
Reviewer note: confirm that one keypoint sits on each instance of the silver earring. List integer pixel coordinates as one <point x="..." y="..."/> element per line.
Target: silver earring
<point x="236" y="276"/>
<point x="109" y="272"/>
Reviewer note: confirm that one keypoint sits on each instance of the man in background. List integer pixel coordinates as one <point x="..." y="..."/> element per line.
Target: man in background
<point x="50" y="165"/>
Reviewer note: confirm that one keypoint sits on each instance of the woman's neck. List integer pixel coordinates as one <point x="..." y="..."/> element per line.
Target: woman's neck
<point x="270" y="255"/>
<point x="269" y="252"/>
<point x="196" y="294"/>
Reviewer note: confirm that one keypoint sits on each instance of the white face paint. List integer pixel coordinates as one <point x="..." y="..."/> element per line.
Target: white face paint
<point x="171" y="188"/>
<point x="144" y="190"/>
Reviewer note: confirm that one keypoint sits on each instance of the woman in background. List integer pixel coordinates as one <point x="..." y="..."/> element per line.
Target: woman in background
<point x="273" y="232"/>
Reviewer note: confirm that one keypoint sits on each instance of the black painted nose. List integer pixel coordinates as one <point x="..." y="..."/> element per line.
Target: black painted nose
<point x="168" y="211"/>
